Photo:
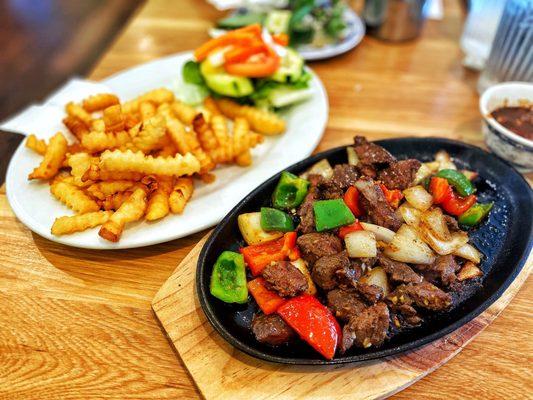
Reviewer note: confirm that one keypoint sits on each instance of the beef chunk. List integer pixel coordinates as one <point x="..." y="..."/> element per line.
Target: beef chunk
<point x="344" y="176"/>
<point x="344" y="303"/>
<point x="315" y="245"/>
<point x="371" y="293"/>
<point x="398" y="272"/>
<point x="285" y="278"/>
<point x="368" y="328"/>
<point x="399" y="175"/>
<point x="271" y="329"/>
<point x="325" y="268"/>
<point x="351" y="273"/>
<point x="408" y="314"/>
<point x="424" y="295"/>
<point x="378" y="210"/>
<point x="371" y="154"/>
<point x="442" y="270"/>
<point x="305" y="212"/>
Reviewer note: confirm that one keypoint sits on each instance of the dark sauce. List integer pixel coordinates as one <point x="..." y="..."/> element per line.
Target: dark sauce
<point x="518" y="120"/>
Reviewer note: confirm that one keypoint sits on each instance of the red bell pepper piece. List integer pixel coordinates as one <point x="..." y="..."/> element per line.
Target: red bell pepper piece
<point x="267" y="300"/>
<point x="344" y="230"/>
<point x="440" y="189"/>
<point x="314" y="322"/>
<point x="393" y="196"/>
<point x="456" y="205"/>
<point x="258" y="256"/>
<point x="351" y="198"/>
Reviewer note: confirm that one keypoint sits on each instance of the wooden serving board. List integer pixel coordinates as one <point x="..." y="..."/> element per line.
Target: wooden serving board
<point x="222" y="372"/>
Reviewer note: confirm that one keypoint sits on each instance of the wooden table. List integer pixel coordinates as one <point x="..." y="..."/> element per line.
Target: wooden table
<point x="77" y="324"/>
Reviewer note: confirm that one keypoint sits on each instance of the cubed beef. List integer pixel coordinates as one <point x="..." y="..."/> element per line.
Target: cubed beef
<point x="344" y="303"/>
<point x="442" y="270"/>
<point x="377" y="208"/>
<point x="371" y="293"/>
<point x="424" y="295"/>
<point x="409" y="315"/>
<point x="400" y="174"/>
<point x="315" y="245"/>
<point x="272" y="330"/>
<point x="325" y="268"/>
<point x="368" y="328"/>
<point x="398" y="272"/>
<point x="372" y="154"/>
<point x="344" y="176"/>
<point x="285" y="278"/>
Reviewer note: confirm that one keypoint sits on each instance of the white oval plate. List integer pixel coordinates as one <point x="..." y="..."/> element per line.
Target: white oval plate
<point x="37" y="209"/>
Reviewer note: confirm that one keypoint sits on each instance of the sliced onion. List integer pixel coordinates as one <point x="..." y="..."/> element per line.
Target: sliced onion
<point x="433" y="221"/>
<point x="433" y="166"/>
<point x="380" y="232"/>
<point x="323" y="168"/>
<point x="410" y="215"/>
<point x="377" y="277"/>
<point x="444" y="247"/>
<point x="469" y="271"/>
<point x="361" y="244"/>
<point x="251" y="231"/>
<point x="302" y="267"/>
<point x="468" y="252"/>
<point x="353" y="158"/>
<point x="418" y="197"/>
<point x="444" y="160"/>
<point x="408" y="247"/>
<point x="423" y="172"/>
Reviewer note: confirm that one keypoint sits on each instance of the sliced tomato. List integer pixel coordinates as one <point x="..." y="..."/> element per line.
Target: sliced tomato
<point x="456" y="205"/>
<point x="256" y="66"/>
<point x="351" y="198"/>
<point x="440" y="189"/>
<point x="281" y="38"/>
<point x="242" y="53"/>
<point x="393" y="196"/>
<point x="267" y="300"/>
<point x="344" y="230"/>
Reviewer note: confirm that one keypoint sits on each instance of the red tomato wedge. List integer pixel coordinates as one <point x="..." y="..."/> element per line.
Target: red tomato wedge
<point x="267" y="300"/>
<point x="314" y="322"/>
<point x="351" y="198"/>
<point x="258" y="256"/>
<point x="281" y="38"/>
<point x="393" y="196"/>
<point x="256" y="66"/>
<point x="242" y="53"/>
<point x="344" y="230"/>
<point x="243" y="36"/>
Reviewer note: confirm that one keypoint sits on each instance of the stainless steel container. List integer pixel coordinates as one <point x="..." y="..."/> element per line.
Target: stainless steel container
<point x="394" y="20"/>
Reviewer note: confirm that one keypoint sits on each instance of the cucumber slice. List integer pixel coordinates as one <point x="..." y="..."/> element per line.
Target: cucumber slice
<point x="290" y="69"/>
<point x="277" y="21"/>
<point x="219" y="81"/>
<point x="284" y="96"/>
<point x="239" y="20"/>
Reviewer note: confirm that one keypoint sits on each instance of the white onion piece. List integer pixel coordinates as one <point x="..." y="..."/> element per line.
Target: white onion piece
<point x="251" y="231"/>
<point x="410" y="215"/>
<point x="361" y="244"/>
<point x="377" y="277"/>
<point x="322" y="168"/>
<point x="423" y="172"/>
<point x="353" y="158"/>
<point x="468" y="252"/>
<point x="443" y="247"/>
<point x="408" y="247"/>
<point x="469" y="271"/>
<point x="418" y="197"/>
<point x="302" y="267"/>
<point x="433" y="221"/>
<point x="380" y="232"/>
<point x="444" y="160"/>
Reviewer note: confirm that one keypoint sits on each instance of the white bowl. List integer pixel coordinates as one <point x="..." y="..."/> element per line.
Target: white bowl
<point x="512" y="147"/>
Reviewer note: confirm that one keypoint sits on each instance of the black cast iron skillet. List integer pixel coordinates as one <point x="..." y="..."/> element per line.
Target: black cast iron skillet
<point x="505" y="239"/>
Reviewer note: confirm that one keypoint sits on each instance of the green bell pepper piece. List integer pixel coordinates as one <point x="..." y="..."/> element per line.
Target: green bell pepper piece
<point x="275" y="220"/>
<point x="289" y="192"/>
<point x="330" y="214"/>
<point x="228" y="279"/>
<point x="458" y="180"/>
<point x="475" y="214"/>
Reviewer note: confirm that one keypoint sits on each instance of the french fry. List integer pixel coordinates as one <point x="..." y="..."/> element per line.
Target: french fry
<point x="130" y="161"/>
<point x="168" y="150"/>
<point x="113" y="118"/>
<point x="147" y="110"/>
<point x="220" y="130"/>
<point x="37" y="145"/>
<point x="97" y="141"/>
<point x="203" y="131"/>
<point x="80" y="163"/>
<point x="102" y="189"/>
<point x="151" y="136"/>
<point x="184" y="112"/>
<point x="114" y="201"/>
<point x="98" y="125"/>
<point x="180" y="195"/>
<point x="158" y="205"/>
<point x="244" y="159"/>
<point x="76" y="111"/>
<point x="99" y="102"/>
<point x="73" y="197"/>
<point x="53" y="158"/>
<point x="131" y="210"/>
<point x="261" y="121"/>
<point x="157" y="96"/>
<point x="94" y="173"/>
<point x="75" y="126"/>
<point x="209" y="104"/>
<point x="243" y="139"/>
<point x="80" y="222"/>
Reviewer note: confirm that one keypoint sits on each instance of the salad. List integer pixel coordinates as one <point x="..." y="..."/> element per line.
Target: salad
<point x="306" y="22"/>
<point x="250" y="66"/>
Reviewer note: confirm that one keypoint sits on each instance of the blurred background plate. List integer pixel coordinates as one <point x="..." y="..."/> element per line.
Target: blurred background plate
<point x="36" y="208"/>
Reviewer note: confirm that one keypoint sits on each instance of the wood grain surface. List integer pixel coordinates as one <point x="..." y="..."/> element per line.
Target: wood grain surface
<point x="232" y="374"/>
<point x="77" y="324"/>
